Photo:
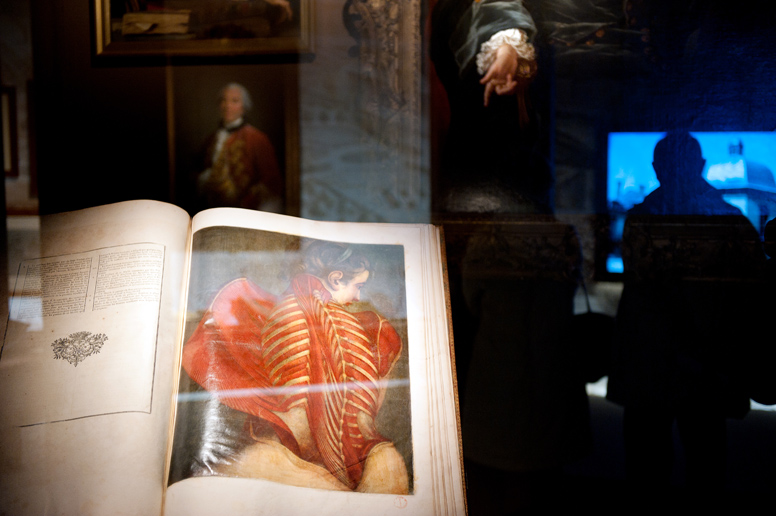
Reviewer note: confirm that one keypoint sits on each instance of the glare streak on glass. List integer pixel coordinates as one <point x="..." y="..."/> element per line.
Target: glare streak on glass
<point x="285" y="390"/>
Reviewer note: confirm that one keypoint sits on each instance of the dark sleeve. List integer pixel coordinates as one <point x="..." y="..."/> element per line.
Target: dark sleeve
<point x="480" y="22"/>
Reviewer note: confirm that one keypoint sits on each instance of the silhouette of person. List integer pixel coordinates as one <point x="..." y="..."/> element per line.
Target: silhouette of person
<point x="684" y="320"/>
<point x="678" y="165"/>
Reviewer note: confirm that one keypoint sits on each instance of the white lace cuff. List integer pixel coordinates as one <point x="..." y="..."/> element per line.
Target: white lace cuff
<point x="514" y="37"/>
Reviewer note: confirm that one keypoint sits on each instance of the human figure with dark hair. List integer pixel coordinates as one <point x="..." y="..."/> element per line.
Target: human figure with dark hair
<point x="678" y="165"/>
<point x="311" y="373"/>
<point x="684" y="324"/>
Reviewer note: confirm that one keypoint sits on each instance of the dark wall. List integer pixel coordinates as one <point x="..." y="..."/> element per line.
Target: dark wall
<point x="101" y="127"/>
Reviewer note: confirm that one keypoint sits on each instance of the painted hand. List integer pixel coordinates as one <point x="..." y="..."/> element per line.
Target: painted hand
<point x="506" y="73"/>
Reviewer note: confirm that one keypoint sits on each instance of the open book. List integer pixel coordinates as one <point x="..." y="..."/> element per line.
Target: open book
<point x="236" y="362"/>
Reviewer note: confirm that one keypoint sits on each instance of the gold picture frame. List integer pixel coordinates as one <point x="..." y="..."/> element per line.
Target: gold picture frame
<point x="202" y="28"/>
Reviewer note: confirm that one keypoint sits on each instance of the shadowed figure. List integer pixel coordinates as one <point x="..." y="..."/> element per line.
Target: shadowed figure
<point x="524" y="409"/>
<point x="686" y="324"/>
<point x="678" y="165"/>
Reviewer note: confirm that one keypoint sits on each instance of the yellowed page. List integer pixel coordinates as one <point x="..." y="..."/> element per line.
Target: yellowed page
<point x="87" y="365"/>
<point x="436" y="482"/>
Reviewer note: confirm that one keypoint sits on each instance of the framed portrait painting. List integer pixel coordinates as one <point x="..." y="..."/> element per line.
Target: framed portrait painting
<point x="202" y="27"/>
<point x="234" y="137"/>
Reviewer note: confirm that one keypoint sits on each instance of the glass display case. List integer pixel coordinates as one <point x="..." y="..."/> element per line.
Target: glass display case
<point x="606" y="203"/>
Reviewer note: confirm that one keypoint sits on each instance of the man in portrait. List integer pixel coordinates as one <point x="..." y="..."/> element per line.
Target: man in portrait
<point x="240" y="165"/>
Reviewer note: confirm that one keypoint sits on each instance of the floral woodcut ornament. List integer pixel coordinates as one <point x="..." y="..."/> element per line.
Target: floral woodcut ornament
<point x="77" y="346"/>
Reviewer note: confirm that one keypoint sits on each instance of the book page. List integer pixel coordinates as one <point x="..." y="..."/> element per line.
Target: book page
<point x="87" y="363"/>
<point x="232" y="451"/>
<point x="75" y="326"/>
